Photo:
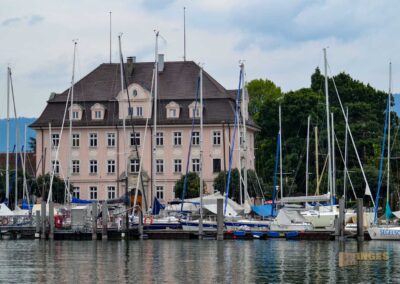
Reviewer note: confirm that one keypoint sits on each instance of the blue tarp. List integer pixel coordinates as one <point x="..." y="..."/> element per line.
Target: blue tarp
<point x="80" y="201"/>
<point x="25" y="205"/>
<point x="157" y="206"/>
<point x="264" y="210"/>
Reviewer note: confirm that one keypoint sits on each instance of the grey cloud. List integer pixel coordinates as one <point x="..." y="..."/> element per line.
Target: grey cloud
<point x="11" y="21"/>
<point x="30" y="20"/>
<point x="35" y="19"/>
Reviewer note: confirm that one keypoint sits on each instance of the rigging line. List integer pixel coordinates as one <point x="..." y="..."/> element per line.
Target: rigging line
<point x="132" y="124"/>
<point x="367" y="190"/>
<point x="149" y="107"/>
<point x="190" y="144"/>
<point x="233" y="139"/>
<point x="58" y="148"/>
<point x="347" y="172"/>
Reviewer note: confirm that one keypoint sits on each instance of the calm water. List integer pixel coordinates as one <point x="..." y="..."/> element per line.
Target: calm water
<point x="165" y="261"/>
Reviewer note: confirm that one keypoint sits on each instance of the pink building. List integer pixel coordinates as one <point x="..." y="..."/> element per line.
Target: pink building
<point x="100" y="150"/>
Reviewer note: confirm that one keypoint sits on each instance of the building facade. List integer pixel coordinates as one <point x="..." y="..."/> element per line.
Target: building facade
<point x="109" y="134"/>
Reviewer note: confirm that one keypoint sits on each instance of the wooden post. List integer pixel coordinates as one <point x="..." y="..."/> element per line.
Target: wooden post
<point x="94" y="220"/>
<point x="140" y="224"/>
<point x="104" y="214"/>
<point x="220" y="219"/>
<point x="342" y="218"/>
<point x="43" y="219"/>
<point x="51" y="220"/>
<point x="360" y="219"/>
<point x="37" y="218"/>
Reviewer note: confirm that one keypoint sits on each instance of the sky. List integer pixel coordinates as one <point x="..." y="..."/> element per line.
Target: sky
<point x="278" y="40"/>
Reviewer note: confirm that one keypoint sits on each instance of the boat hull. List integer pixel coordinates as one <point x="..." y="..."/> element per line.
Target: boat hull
<point x="384" y="233"/>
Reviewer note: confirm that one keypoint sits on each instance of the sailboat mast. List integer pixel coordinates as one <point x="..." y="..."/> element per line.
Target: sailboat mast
<point x="153" y="178"/>
<point x="316" y="159"/>
<point x="25" y="186"/>
<point x="333" y="161"/>
<point x="308" y="152"/>
<point x="345" y="157"/>
<point x="328" y="127"/>
<point x="388" y="149"/>
<point x="8" y="139"/>
<point x="244" y="134"/>
<point x="280" y="153"/>
<point x="201" y="155"/>
<point x="68" y="189"/>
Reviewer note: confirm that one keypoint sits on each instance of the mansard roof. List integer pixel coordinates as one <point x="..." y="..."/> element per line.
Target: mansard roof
<point x="177" y="82"/>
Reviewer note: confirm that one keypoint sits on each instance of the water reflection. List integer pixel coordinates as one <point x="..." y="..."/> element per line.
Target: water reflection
<point x="192" y="261"/>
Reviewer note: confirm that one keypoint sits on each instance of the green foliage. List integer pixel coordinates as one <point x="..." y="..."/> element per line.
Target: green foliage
<point x="193" y="185"/>
<point x="234" y="189"/>
<point x="366" y="107"/>
<point x="35" y="186"/>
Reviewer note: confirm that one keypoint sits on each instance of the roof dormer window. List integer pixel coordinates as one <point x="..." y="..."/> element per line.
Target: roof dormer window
<point x="98" y="111"/>
<point x="173" y="110"/>
<point x="194" y="110"/>
<point x="75" y="112"/>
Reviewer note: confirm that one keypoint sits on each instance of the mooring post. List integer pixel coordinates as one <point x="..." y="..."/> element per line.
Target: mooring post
<point x="51" y="220"/>
<point x="37" y="221"/>
<point x="342" y="219"/>
<point x="94" y="220"/>
<point x="104" y="214"/>
<point x="220" y="219"/>
<point x="140" y="224"/>
<point x="360" y="219"/>
<point x="43" y="219"/>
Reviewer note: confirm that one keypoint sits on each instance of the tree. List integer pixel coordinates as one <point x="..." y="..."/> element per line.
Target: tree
<point x="42" y="186"/>
<point x="234" y="187"/>
<point x="193" y="185"/>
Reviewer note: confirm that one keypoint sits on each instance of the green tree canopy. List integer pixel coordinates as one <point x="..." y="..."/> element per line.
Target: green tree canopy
<point x="193" y="185"/>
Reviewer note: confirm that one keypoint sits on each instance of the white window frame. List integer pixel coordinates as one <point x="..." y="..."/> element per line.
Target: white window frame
<point x="160" y="192"/>
<point x="98" y="114"/>
<point x="177" y="166"/>
<point x="55" y="164"/>
<point x="76" y="167"/>
<point x="75" y="115"/>
<point x="110" y="167"/>
<point x="160" y="138"/>
<point x="134" y="165"/>
<point x="216" y="137"/>
<point x="76" y="192"/>
<point x="111" y="192"/>
<point x="93" y="167"/>
<point x="93" y="192"/>
<point x="139" y="111"/>
<point x="76" y="140"/>
<point x="135" y="137"/>
<point x="93" y="137"/>
<point x="196" y="138"/>
<point x="160" y="166"/>
<point x="177" y="138"/>
<point x="111" y="139"/>
<point x="196" y="165"/>
<point x="55" y="139"/>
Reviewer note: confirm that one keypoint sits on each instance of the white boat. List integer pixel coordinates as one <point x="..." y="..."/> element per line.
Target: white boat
<point x="193" y="225"/>
<point x="290" y="221"/>
<point x="249" y="225"/>
<point x="384" y="232"/>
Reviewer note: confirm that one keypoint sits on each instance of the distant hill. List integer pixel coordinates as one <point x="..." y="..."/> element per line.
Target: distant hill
<point x="22" y="121"/>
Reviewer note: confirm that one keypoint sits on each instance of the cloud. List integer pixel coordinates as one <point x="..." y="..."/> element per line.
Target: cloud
<point x="35" y="19"/>
<point x="29" y="20"/>
<point x="11" y="21"/>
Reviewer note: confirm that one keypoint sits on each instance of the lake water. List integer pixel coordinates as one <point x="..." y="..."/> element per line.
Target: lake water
<point x="192" y="261"/>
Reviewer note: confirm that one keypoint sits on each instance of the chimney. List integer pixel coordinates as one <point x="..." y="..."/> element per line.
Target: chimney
<point x="160" y="63"/>
<point x="129" y="59"/>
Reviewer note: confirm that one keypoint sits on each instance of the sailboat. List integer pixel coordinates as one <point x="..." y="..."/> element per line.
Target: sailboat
<point x="385" y="231"/>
